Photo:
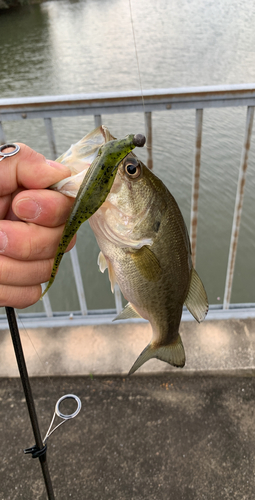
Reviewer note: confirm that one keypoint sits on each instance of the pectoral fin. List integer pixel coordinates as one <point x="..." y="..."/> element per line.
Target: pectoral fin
<point x="127" y="313"/>
<point x="147" y="263"/>
<point x="172" y="353"/>
<point x="196" y="300"/>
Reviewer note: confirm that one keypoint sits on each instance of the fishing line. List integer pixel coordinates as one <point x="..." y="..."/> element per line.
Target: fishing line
<point x="49" y="378"/>
<point x="36" y="352"/>
<point x="136" y="53"/>
<point x="140" y="79"/>
<point x="40" y="360"/>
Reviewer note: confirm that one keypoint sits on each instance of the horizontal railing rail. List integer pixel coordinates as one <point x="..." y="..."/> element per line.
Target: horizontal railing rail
<point x="198" y="98"/>
<point x="127" y="101"/>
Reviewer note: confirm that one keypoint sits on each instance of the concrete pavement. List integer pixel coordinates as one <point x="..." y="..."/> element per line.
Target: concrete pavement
<point x="172" y="436"/>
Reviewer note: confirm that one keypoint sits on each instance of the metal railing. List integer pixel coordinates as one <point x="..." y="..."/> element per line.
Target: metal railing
<point x="198" y="98"/>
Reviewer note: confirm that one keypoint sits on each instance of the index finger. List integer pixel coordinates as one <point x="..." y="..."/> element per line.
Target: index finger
<point x="30" y="170"/>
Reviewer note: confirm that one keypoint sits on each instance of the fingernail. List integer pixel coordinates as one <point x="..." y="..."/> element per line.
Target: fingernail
<point x="3" y="241"/>
<point x="27" y="208"/>
<point x="58" y="166"/>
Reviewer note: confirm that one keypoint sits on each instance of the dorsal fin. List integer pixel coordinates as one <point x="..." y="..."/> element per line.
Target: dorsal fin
<point x="127" y="313"/>
<point x="196" y="300"/>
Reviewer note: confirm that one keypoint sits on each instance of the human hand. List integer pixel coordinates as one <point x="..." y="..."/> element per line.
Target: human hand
<point x="32" y="220"/>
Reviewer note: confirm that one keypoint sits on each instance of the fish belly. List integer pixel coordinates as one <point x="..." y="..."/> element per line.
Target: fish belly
<point x="161" y="301"/>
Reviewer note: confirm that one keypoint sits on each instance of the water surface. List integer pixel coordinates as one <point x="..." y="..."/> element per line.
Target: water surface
<point x="65" y="47"/>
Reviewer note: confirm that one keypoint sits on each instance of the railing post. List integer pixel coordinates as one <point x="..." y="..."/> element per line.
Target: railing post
<point x="2" y="135"/>
<point x="195" y="184"/>
<point x="238" y="207"/>
<point x="148" y="125"/>
<point x="118" y="301"/>
<point x="78" y="280"/>
<point x="98" y="120"/>
<point x="46" y="303"/>
<point x="51" y="137"/>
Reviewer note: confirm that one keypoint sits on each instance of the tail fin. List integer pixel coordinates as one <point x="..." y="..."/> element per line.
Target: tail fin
<point x="172" y="353"/>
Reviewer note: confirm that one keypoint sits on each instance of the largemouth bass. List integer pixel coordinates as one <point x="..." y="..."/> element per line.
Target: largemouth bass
<point x="145" y="245"/>
<point x="94" y="189"/>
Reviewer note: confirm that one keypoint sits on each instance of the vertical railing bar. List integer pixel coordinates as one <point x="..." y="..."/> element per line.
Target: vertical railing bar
<point x="118" y="300"/>
<point x="78" y="280"/>
<point x="46" y="303"/>
<point x="98" y="120"/>
<point x="195" y="184"/>
<point x="2" y="135"/>
<point x="148" y="132"/>
<point x="238" y="207"/>
<point x="51" y="138"/>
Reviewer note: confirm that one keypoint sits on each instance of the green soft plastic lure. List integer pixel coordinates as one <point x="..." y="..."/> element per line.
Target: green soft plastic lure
<point x="94" y="189"/>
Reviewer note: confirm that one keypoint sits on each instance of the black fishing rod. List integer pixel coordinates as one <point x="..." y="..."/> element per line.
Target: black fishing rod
<point x="39" y="450"/>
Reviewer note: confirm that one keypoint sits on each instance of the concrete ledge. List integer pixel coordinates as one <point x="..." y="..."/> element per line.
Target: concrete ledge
<point x="112" y="349"/>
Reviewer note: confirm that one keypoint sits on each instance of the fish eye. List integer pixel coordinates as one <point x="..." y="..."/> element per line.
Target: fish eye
<point x="132" y="170"/>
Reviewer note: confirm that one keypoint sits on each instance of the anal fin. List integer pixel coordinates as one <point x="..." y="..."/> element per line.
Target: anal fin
<point x="196" y="300"/>
<point x="172" y="353"/>
<point x="127" y="313"/>
<point x="105" y="264"/>
<point x="112" y="276"/>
